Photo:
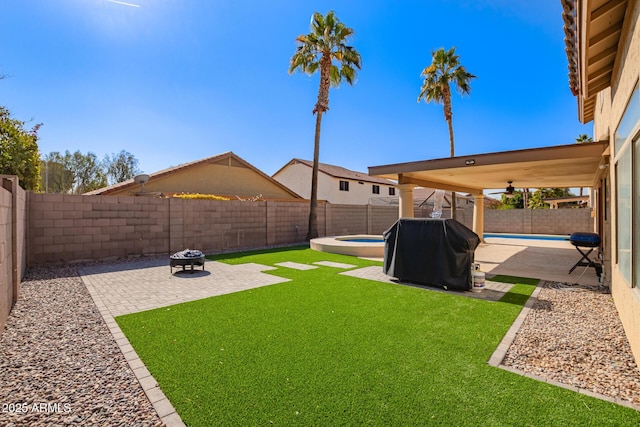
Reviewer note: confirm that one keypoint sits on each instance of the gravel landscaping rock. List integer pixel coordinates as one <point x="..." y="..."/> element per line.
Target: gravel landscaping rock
<point x="573" y="335"/>
<point x="59" y="364"/>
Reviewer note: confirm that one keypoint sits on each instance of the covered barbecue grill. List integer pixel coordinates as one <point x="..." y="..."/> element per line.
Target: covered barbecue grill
<point x="435" y="252"/>
<point x="585" y="243"/>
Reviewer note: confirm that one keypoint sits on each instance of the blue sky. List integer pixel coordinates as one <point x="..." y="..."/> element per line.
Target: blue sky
<point x="173" y="81"/>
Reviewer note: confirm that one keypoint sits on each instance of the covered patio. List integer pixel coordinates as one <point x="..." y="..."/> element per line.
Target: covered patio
<point x="547" y="260"/>
<point x="564" y="166"/>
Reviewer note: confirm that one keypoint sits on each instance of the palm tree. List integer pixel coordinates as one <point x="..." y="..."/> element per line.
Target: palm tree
<point x="445" y="69"/>
<point x="324" y="48"/>
<point x="582" y="138"/>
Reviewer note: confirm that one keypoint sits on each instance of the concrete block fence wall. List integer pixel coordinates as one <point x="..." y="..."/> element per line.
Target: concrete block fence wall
<point x="12" y="243"/>
<point x="547" y="221"/>
<point x="67" y="228"/>
<point x="6" y="259"/>
<point x="64" y="228"/>
<point x="538" y="221"/>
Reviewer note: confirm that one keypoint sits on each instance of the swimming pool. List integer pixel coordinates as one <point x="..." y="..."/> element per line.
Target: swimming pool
<point x="361" y="240"/>
<point x="527" y="236"/>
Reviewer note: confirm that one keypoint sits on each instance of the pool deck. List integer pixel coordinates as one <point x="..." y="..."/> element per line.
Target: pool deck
<point x="542" y="259"/>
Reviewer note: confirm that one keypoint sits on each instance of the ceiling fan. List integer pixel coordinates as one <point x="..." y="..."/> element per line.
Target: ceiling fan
<point x="508" y="192"/>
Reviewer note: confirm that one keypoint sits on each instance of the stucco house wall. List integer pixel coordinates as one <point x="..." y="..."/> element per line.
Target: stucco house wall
<point x="610" y="106"/>
<point x="224" y="175"/>
<point x="601" y="128"/>
<point x="296" y="175"/>
<point x="216" y="178"/>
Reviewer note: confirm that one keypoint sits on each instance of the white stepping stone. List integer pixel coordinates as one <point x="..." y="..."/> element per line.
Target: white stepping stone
<point x="252" y="266"/>
<point x="334" y="264"/>
<point x="296" y="266"/>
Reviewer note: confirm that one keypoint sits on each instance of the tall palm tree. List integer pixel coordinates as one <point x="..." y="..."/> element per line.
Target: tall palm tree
<point x="582" y="139"/>
<point x="445" y="70"/>
<point x="324" y="48"/>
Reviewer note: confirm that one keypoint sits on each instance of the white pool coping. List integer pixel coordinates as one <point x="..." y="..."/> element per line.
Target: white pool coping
<point x="337" y="245"/>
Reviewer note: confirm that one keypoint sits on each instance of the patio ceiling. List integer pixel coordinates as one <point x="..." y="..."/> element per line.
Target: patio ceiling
<point x="565" y="166"/>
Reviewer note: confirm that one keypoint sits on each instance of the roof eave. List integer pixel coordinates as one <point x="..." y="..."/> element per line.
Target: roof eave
<point x="593" y="32"/>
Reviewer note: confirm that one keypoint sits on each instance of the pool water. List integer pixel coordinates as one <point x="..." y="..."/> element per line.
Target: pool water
<point x="526" y="236"/>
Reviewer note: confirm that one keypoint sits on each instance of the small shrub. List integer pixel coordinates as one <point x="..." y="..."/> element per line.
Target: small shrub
<point x="193" y="196"/>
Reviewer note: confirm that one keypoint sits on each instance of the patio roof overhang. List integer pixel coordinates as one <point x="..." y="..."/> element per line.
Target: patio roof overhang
<point x="593" y="29"/>
<point x="564" y="166"/>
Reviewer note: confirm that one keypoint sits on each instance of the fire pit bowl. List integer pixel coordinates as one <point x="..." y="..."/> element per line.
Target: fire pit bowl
<point x="185" y="258"/>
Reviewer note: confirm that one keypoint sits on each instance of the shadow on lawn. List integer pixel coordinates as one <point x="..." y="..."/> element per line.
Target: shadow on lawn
<point x="517" y="295"/>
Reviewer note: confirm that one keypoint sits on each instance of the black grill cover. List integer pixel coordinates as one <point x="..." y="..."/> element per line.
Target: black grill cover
<point x="430" y="251"/>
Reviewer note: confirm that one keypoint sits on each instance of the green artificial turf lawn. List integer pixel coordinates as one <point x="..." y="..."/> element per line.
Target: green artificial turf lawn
<point x="326" y="349"/>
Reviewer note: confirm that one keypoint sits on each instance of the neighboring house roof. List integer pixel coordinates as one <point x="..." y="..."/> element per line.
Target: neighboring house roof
<point x="339" y="172"/>
<point x="230" y="156"/>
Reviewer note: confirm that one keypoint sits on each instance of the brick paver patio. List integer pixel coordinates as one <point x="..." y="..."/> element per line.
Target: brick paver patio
<point x="146" y="284"/>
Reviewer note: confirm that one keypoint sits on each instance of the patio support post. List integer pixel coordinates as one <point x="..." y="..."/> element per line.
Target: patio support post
<point x="478" y="215"/>
<point x="406" y="200"/>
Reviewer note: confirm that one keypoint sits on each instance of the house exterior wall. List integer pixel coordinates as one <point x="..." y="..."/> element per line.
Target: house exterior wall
<point x="601" y="128"/>
<point x="360" y="192"/>
<point x="212" y="178"/>
<point x="610" y="106"/>
<point x="328" y="187"/>
<point x="297" y="177"/>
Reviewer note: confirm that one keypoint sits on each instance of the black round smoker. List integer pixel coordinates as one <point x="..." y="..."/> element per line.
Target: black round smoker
<point x="585" y="243"/>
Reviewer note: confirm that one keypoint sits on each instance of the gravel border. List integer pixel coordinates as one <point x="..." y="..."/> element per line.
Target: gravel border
<point x="572" y="336"/>
<point x="60" y="364"/>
